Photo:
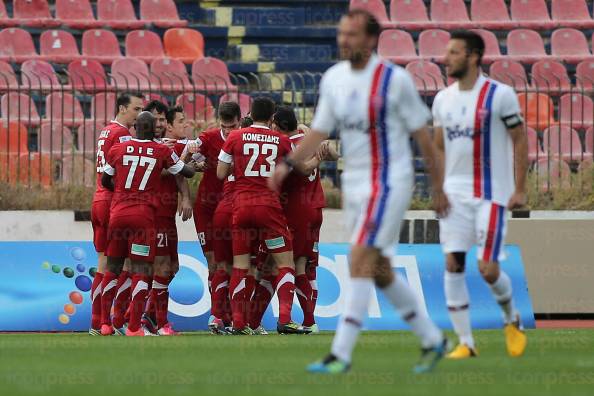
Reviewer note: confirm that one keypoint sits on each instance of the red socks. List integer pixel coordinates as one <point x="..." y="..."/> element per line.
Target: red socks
<point x="122" y="299"/>
<point x="96" y="301"/>
<point x="108" y="291"/>
<point x="160" y="297"/>
<point x="250" y="287"/>
<point x="219" y="293"/>
<point x="305" y="297"/>
<point x="262" y="296"/>
<point x="139" y="294"/>
<point x="285" y="289"/>
<point x="237" y="297"/>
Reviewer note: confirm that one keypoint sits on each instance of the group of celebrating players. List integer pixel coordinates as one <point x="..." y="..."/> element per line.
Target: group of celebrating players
<point x="256" y="241"/>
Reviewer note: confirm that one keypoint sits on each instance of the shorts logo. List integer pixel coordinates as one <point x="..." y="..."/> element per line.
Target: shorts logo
<point x="201" y="239"/>
<point x="140" y="250"/>
<point x="275" y="243"/>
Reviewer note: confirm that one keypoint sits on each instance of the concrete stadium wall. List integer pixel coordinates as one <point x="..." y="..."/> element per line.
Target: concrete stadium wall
<point x="557" y="248"/>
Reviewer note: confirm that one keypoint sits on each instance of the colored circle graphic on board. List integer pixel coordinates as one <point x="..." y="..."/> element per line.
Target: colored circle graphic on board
<point x="78" y="254"/>
<point x="68" y="272"/>
<point x="83" y="283"/>
<point x="92" y="271"/>
<point x="56" y="268"/>
<point x="45" y="265"/>
<point x="81" y="268"/>
<point x="69" y="309"/>
<point x="64" y="319"/>
<point x="75" y="297"/>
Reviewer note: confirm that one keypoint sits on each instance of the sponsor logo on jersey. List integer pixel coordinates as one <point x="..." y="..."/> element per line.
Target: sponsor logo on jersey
<point x="458" y="132"/>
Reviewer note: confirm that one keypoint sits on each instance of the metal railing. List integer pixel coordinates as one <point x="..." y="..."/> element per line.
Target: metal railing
<point x="48" y="132"/>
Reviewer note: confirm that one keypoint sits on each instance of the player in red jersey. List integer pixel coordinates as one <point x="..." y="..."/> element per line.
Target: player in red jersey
<point x="258" y="216"/>
<point x="117" y="131"/>
<point x="133" y="172"/>
<point x="209" y="144"/>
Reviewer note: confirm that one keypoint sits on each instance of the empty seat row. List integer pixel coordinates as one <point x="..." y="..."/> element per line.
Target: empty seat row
<point x="78" y="14"/>
<point x="560" y="141"/>
<point x="488" y="14"/>
<point x="102" y="45"/>
<point x="166" y="74"/>
<point x="524" y="45"/>
<point x="554" y="174"/>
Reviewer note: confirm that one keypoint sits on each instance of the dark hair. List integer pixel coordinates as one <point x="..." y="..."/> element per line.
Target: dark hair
<point x="474" y="42"/>
<point x="170" y="115"/>
<point x="372" y="27"/>
<point x="125" y="98"/>
<point x="285" y="119"/>
<point x="246" y="122"/>
<point x="262" y="109"/>
<point x="157" y="105"/>
<point x="228" y="111"/>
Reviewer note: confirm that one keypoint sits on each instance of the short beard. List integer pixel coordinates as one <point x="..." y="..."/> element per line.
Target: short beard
<point x="461" y="73"/>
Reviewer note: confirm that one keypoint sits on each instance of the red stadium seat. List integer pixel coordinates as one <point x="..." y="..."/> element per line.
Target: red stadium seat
<point x="375" y="7"/>
<point x="410" y="14"/>
<point x="570" y="45"/>
<point x="170" y="75"/>
<point x="196" y="107"/>
<point x="87" y="76"/>
<point x="586" y="174"/>
<point x="511" y="73"/>
<point x="584" y="75"/>
<point x="572" y="14"/>
<point x="211" y="75"/>
<point x="13" y="137"/>
<point x="118" y="14"/>
<point x="397" y="46"/>
<point x="5" y="20"/>
<point x="100" y="45"/>
<point x="26" y="169"/>
<point x="34" y="13"/>
<point x="148" y="97"/>
<point x="58" y="46"/>
<point x="62" y="107"/>
<point x="427" y="76"/>
<point x="525" y="46"/>
<point x="534" y="150"/>
<point x="144" y="45"/>
<point x="76" y="14"/>
<point x="450" y="14"/>
<point x="21" y="108"/>
<point x="552" y="174"/>
<point x="8" y="77"/>
<point x="39" y="75"/>
<point x="76" y="169"/>
<point x="130" y="74"/>
<point x="87" y="135"/>
<point x="563" y="142"/>
<point x="492" y="51"/>
<point x="491" y="14"/>
<point x="432" y="44"/>
<point x="244" y="101"/>
<point x="589" y="140"/>
<point x="103" y="108"/>
<point x="538" y="110"/>
<point x="16" y="45"/>
<point x="186" y="45"/>
<point x="55" y="138"/>
<point x="576" y="110"/>
<point x="531" y="14"/>
<point x="161" y="13"/>
<point x="550" y="76"/>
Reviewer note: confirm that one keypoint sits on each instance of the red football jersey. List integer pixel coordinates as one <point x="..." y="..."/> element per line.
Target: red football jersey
<point x="137" y="165"/>
<point x="210" y="190"/>
<point x="254" y="152"/>
<point x="303" y="190"/>
<point x="112" y="133"/>
<point x="226" y="203"/>
<point x="168" y="192"/>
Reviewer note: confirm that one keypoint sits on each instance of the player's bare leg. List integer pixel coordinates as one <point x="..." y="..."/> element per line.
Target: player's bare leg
<point x="96" y="295"/>
<point x="114" y="266"/>
<point x="369" y="267"/>
<point x="304" y="292"/>
<point x="285" y="291"/>
<point x="237" y="295"/>
<point x="501" y="287"/>
<point x="141" y="271"/>
<point x="122" y="299"/>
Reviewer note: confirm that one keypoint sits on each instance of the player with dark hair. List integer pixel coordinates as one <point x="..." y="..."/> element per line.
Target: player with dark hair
<point x="159" y="110"/>
<point x="117" y="131"/>
<point x="258" y="217"/>
<point x="133" y="173"/>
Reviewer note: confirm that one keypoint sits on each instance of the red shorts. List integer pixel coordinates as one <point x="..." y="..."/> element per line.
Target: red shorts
<point x="100" y="223"/>
<point x="203" y="219"/>
<point x="166" y="238"/>
<point x="305" y="228"/>
<point x="222" y="240"/>
<point x="132" y="236"/>
<point x="252" y="224"/>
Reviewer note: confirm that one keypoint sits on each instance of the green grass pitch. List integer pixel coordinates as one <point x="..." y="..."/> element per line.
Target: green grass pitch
<point x="557" y="362"/>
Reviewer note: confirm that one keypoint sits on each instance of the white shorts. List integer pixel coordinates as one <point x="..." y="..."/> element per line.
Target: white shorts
<point x="474" y="221"/>
<point x="375" y="219"/>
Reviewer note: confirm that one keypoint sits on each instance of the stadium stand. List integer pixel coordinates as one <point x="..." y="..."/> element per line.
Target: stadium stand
<point x="427" y="76"/>
<point x="186" y="45"/>
<point x="58" y="46"/>
<point x="62" y="107"/>
<point x="39" y="75"/>
<point x="8" y="78"/>
<point x="244" y="101"/>
<point x="531" y="14"/>
<point x="584" y="75"/>
<point x="5" y="20"/>
<point x="100" y="45"/>
<point x="510" y="72"/>
<point x="563" y="142"/>
<point x="55" y="138"/>
<point x="130" y="74"/>
<point x="161" y="13"/>
<point x="118" y="14"/>
<point x="570" y="45"/>
<point x="525" y="45"/>
<point x="432" y="44"/>
<point x="571" y="14"/>
<point x="576" y="110"/>
<point x="87" y="75"/>
<point x="103" y="107"/>
<point x="410" y="14"/>
<point x="492" y="51"/>
<point x="589" y="140"/>
<point x="76" y="14"/>
<point x="16" y="45"/>
<point x="552" y="174"/>
<point x="550" y="76"/>
<point x="534" y="150"/>
<point x="33" y="13"/>
<point x="19" y="106"/>
<point x="450" y="14"/>
<point x="397" y="46"/>
<point x="491" y="14"/>
<point x="211" y="75"/>
<point x="376" y="7"/>
<point x="13" y="137"/>
<point x="144" y="45"/>
<point x="538" y="109"/>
